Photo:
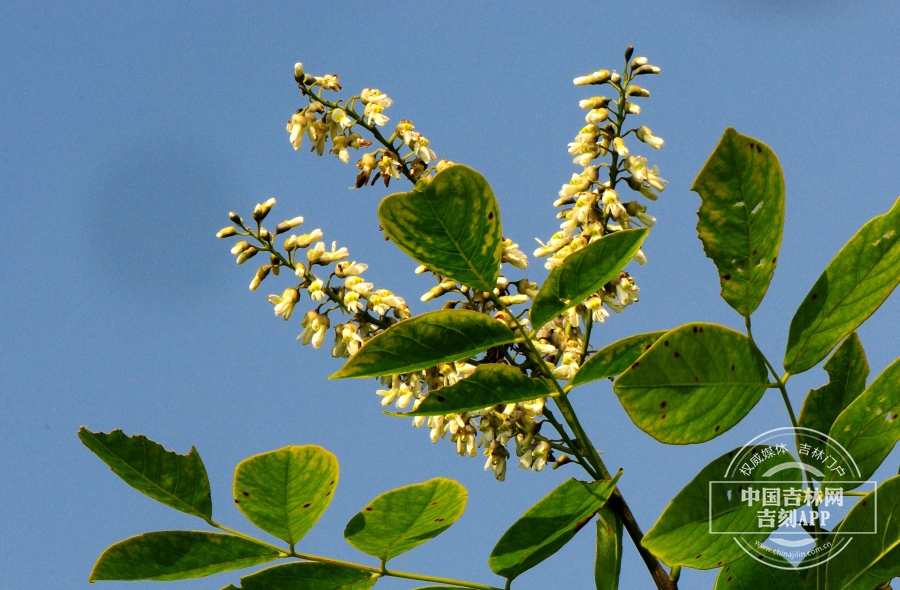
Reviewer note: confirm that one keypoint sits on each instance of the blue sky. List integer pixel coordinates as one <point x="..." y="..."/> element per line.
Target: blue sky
<point x="130" y="131"/>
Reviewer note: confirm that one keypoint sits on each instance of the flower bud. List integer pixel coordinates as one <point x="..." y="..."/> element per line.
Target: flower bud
<point x="261" y="210"/>
<point x="264" y="234"/>
<point x="239" y="247"/>
<point x="629" y="51"/>
<point x="596" y="116"/>
<point x="598" y="77"/>
<point x="615" y="78"/>
<point x="298" y="72"/>
<point x="247" y="255"/>
<point x="235" y="218"/>
<point x="305" y="240"/>
<point x="634" y="90"/>
<point x="261" y="275"/>
<point x="227" y="232"/>
<point x="646" y="70"/>
<point x="638" y="62"/>
<point x="632" y="109"/>
<point x="595" y="102"/>
<point x="288" y="225"/>
<point x="644" y="134"/>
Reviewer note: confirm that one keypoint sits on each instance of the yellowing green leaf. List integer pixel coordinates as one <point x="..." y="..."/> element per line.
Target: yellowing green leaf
<point x="284" y="492"/>
<point x="584" y="272"/>
<point x="307" y="576"/>
<point x="450" y="224"/>
<point x="694" y="383"/>
<point x="612" y="360"/>
<point x="425" y="341"/>
<point x="742" y="217"/>
<point x="855" y="284"/>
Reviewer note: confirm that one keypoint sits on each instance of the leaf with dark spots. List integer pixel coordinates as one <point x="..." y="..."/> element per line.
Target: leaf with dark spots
<point x="614" y="359"/>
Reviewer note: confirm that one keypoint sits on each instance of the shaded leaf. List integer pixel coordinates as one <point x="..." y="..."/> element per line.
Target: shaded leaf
<point x="694" y="383"/>
<point x="855" y="283"/>
<point x="450" y="224"/>
<point x="584" y="272"/>
<point x="748" y="573"/>
<point x="608" y="563"/>
<point x="742" y="217"/>
<point x="870" y="559"/>
<point x="548" y="525"/>
<point x="401" y="519"/>
<point x="489" y="385"/>
<point x="178" y="555"/>
<point x="847" y="372"/>
<point x="178" y="481"/>
<point x="425" y="341"/>
<point x="307" y="576"/>
<point x="682" y="534"/>
<point x="284" y="492"/>
<point x="868" y="429"/>
<point x="612" y="360"/>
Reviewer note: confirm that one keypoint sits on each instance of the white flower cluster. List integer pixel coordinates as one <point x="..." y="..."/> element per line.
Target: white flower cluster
<point x="322" y="120"/>
<point x="591" y="206"/>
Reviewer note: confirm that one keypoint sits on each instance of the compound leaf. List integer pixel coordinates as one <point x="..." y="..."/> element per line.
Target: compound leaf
<point x="450" y="224"/>
<point x="741" y="217"/>
<point x="425" y="341"/>
<point x="284" y="492"/>
<point x="694" y="383"/>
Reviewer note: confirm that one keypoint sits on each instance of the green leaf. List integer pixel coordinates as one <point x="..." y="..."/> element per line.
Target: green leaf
<point x="178" y="481"/>
<point x="682" y="535"/>
<point x="741" y="217"/>
<point x="490" y="385"/>
<point x="399" y="520"/>
<point x="870" y="559"/>
<point x="748" y="573"/>
<point x="284" y="492"/>
<point x="847" y="371"/>
<point x="178" y="555"/>
<point x="611" y="360"/>
<point x="450" y="224"/>
<point x="694" y="383"/>
<point x="868" y="429"/>
<point x="584" y="272"/>
<point x="855" y="284"/>
<point x="425" y="341"/>
<point x="608" y="564"/>
<point x="548" y="525"/>
<point x="308" y="576"/>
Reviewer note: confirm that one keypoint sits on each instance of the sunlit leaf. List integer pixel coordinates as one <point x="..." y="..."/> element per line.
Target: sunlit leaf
<point x="285" y="492"/>
<point x="694" y="383"/>
<point x="869" y="559"/>
<point x="855" y="284"/>
<point x="178" y="481"/>
<point x="401" y="519"/>
<point x="682" y="534"/>
<point x="748" y="573"/>
<point x="307" y="576"/>
<point x="584" y="272"/>
<point x="608" y="563"/>
<point x="868" y="429"/>
<point x="847" y="371"/>
<point x="178" y="555"/>
<point x="548" y="525"/>
<point x="450" y="224"/>
<point x="742" y="217"/>
<point x="489" y="385"/>
<point x="425" y="341"/>
<point x="612" y="360"/>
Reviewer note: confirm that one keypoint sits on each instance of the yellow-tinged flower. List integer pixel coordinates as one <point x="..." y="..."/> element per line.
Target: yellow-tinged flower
<point x="284" y="304"/>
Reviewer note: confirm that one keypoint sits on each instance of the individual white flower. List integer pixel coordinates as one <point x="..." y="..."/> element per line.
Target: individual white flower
<point x="303" y="240"/>
<point x="349" y="269"/>
<point x="352" y="302"/>
<point x="598" y="77"/>
<point x="315" y="290"/>
<point x="626" y="290"/>
<point x="347" y="340"/>
<point x="284" y="304"/>
<point x="389" y="166"/>
<point x="315" y="255"/>
<point x="556" y="242"/>
<point x="341" y="145"/>
<point x="612" y="206"/>
<point x="632" y="109"/>
<point x="341" y="119"/>
<point x="296" y="126"/>
<point x="543" y="347"/>
<point x="358" y="285"/>
<point x="595" y="102"/>
<point x="315" y="327"/>
<point x="373" y="115"/>
<point x="383" y="300"/>
<point x="328" y="82"/>
<point x="640" y="257"/>
<point x="513" y="255"/>
<point x="318" y="134"/>
<point x="644" y="134"/>
<point x="419" y="146"/>
<point x="620" y="148"/>
<point x="333" y="256"/>
<point x="594" y="304"/>
<point x="376" y="97"/>
<point x="540" y="455"/>
<point x="596" y="116"/>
